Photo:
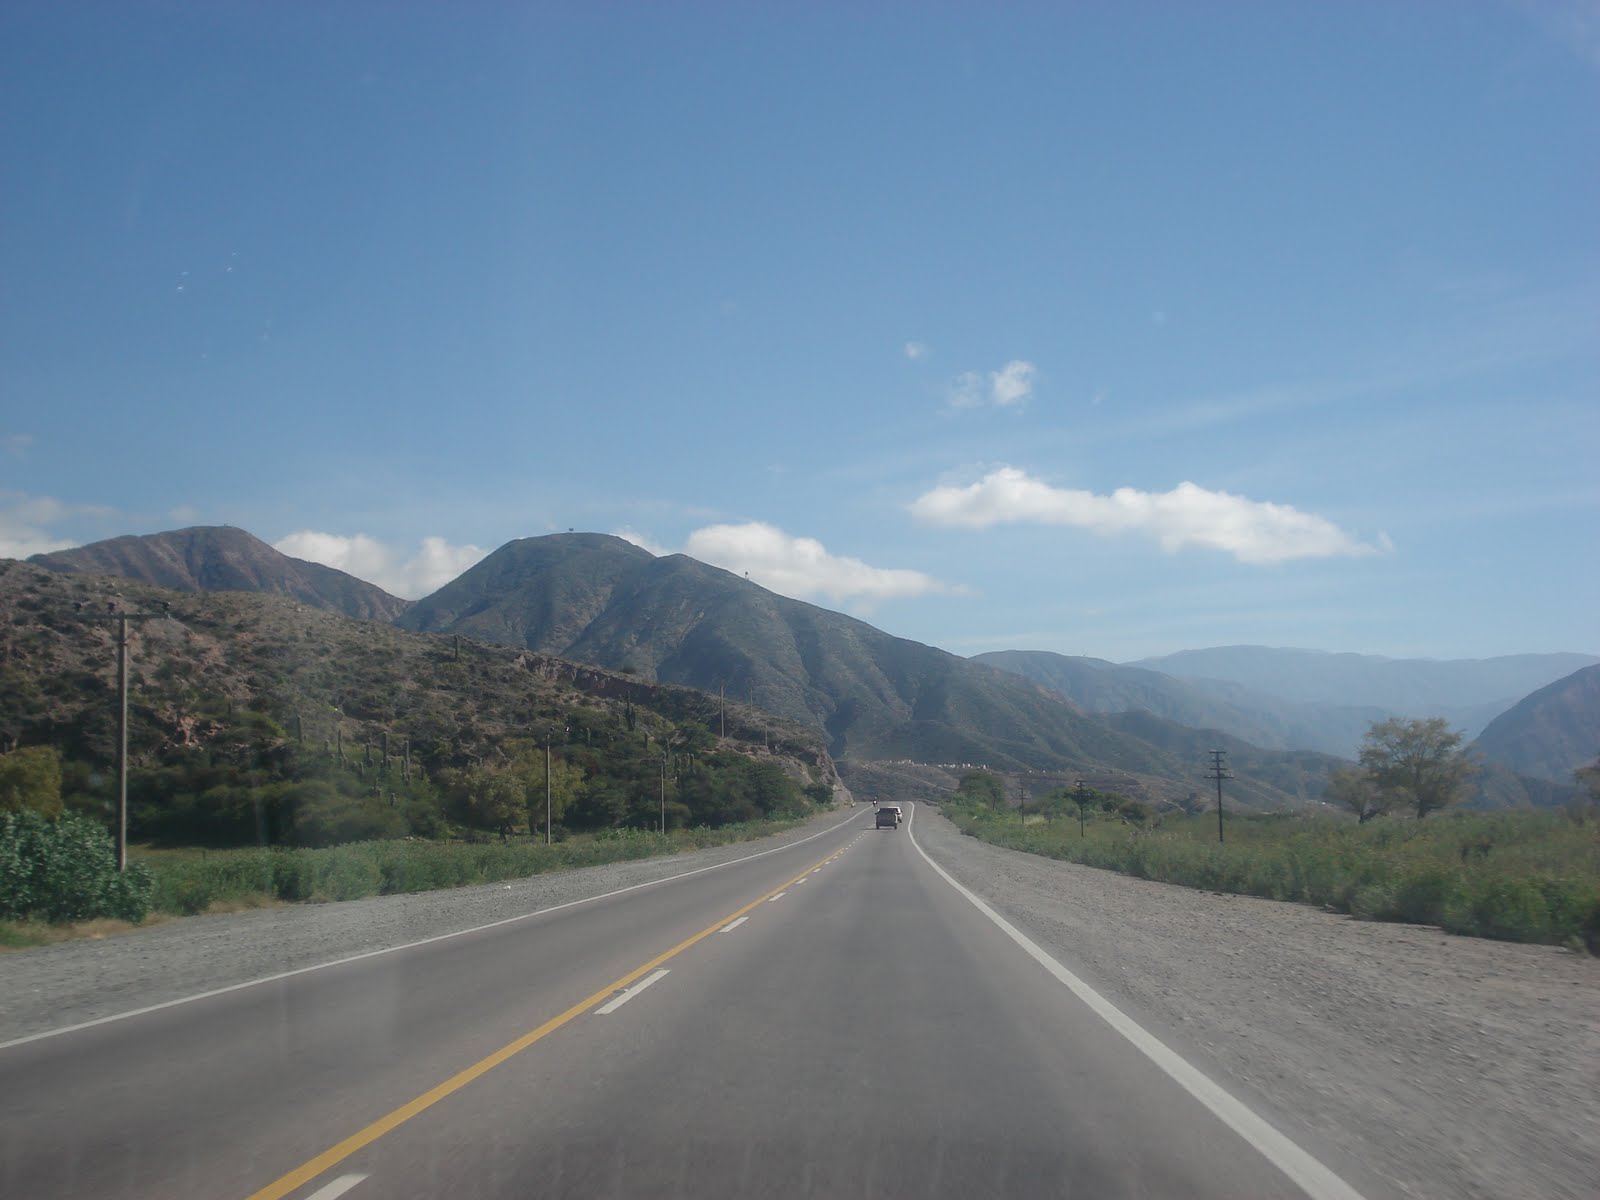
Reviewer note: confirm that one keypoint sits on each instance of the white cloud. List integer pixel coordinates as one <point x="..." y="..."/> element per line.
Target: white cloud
<point x="1006" y="388"/>
<point x="800" y="567"/>
<point x="435" y="563"/>
<point x="1253" y="531"/>
<point x="16" y="444"/>
<point x="916" y="350"/>
<point x="25" y="523"/>
<point x="1012" y="383"/>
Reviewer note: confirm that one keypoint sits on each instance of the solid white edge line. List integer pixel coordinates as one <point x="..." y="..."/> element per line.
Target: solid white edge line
<point x="1316" y="1180"/>
<point x="733" y="924"/>
<point x="336" y="1188"/>
<point x="611" y="1006"/>
<point x="438" y="937"/>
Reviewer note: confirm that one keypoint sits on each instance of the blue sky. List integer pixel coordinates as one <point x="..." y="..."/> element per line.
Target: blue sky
<point x="1098" y="328"/>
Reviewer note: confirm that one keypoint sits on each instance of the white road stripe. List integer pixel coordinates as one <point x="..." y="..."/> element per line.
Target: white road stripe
<point x="336" y="1188"/>
<point x="733" y="924"/>
<point x="612" y="1005"/>
<point x="779" y="896"/>
<point x="339" y="962"/>
<point x="1306" y="1172"/>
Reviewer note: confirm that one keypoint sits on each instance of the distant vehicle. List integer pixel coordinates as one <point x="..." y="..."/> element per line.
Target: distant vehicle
<point x="889" y="816"/>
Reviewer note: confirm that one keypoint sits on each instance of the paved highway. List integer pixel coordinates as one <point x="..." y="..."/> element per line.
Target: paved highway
<point x="834" y="1018"/>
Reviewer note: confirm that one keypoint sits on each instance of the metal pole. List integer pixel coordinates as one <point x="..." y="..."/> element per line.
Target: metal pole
<point x="547" y="789"/>
<point x="122" y="742"/>
<point x="663" y="795"/>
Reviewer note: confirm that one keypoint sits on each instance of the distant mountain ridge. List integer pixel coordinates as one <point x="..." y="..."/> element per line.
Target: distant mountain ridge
<point x="1469" y="692"/>
<point x="1550" y="733"/>
<point x="1265" y="721"/>
<point x="222" y="558"/>
<point x="595" y="599"/>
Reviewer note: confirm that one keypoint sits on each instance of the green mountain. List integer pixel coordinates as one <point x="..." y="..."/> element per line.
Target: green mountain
<point x="220" y="558"/>
<point x="256" y="717"/>
<point x="1550" y="733"/>
<point x="603" y="600"/>
<point x="600" y="599"/>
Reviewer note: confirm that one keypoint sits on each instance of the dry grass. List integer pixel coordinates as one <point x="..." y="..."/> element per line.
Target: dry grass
<point x="23" y="935"/>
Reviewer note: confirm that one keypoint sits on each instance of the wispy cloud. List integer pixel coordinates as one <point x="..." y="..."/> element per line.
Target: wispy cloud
<point x="1252" y="531"/>
<point x="1008" y="387"/>
<point x="800" y="567"/>
<point x="916" y="350"/>
<point x="434" y="563"/>
<point x="1573" y="23"/>
<point x="26" y="521"/>
<point x="16" y="444"/>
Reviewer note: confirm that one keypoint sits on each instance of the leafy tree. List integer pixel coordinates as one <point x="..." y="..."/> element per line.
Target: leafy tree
<point x="30" y="778"/>
<point x="1354" y="788"/>
<point x="980" y="787"/>
<point x="566" y="781"/>
<point x="1418" y="763"/>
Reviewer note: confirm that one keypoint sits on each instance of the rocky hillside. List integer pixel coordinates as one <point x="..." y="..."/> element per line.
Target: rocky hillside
<point x="1550" y="733"/>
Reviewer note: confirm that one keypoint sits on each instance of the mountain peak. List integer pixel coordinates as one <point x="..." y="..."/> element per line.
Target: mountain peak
<point x="224" y="558"/>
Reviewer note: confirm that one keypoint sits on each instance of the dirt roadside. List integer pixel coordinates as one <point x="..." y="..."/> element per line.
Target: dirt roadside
<point x="1452" y="1067"/>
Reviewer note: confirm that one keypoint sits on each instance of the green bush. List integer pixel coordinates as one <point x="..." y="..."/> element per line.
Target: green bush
<point x="66" y="870"/>
<point x="1532" y="877"/>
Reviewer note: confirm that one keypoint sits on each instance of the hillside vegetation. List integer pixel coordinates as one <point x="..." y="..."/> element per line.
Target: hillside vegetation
<point x="257" y="720"/>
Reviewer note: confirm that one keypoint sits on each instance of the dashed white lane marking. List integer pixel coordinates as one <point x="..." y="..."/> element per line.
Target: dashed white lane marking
<point x="732" y="925"/>
<point x="798" y="882"/>
<point x="611" y="1006"/>
<point x="440" y="937"/>
<point x="779" y="896"/>
<point x="336" y="1188"/>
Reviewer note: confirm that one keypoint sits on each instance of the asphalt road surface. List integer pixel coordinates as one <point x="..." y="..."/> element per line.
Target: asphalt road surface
<point x="832" y="1019"/>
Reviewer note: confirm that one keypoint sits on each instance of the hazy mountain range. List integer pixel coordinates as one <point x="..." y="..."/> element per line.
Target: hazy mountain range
<point x="599" y="599"/>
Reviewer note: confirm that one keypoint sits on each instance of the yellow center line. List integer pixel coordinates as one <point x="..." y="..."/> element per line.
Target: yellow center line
<point x="337" y="1153"/>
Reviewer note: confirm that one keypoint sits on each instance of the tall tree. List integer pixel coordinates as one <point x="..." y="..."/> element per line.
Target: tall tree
<point x="30" y="778"/>
<point x="1418" y="763"/>
<point x="1355" y="789"/>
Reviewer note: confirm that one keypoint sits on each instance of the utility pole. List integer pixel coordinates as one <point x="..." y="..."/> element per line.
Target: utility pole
<point x="547" y="735"/>
<point x="1219" y="771"/>
<point x="663" y="794"/>
<point x="722" y="709"/>
<point x="1083" y="800"/>
<point x="1022" y="800"/>
<point x="121" y="617"/>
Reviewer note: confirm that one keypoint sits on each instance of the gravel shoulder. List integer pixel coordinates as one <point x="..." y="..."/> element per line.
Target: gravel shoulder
<point x="52" y="987"/>
<point x="1448" y="1066"/>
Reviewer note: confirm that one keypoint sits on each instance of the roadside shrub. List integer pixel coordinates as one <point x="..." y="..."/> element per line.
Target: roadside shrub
<point x="66" y="870"/>
<point x="1423" y="897"/>
<point x="1510" y="909"/>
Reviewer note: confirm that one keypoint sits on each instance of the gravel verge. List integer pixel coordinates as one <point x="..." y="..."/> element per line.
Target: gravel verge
<point x="1449" y="1066"/>
<point x="52" y="987"/>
